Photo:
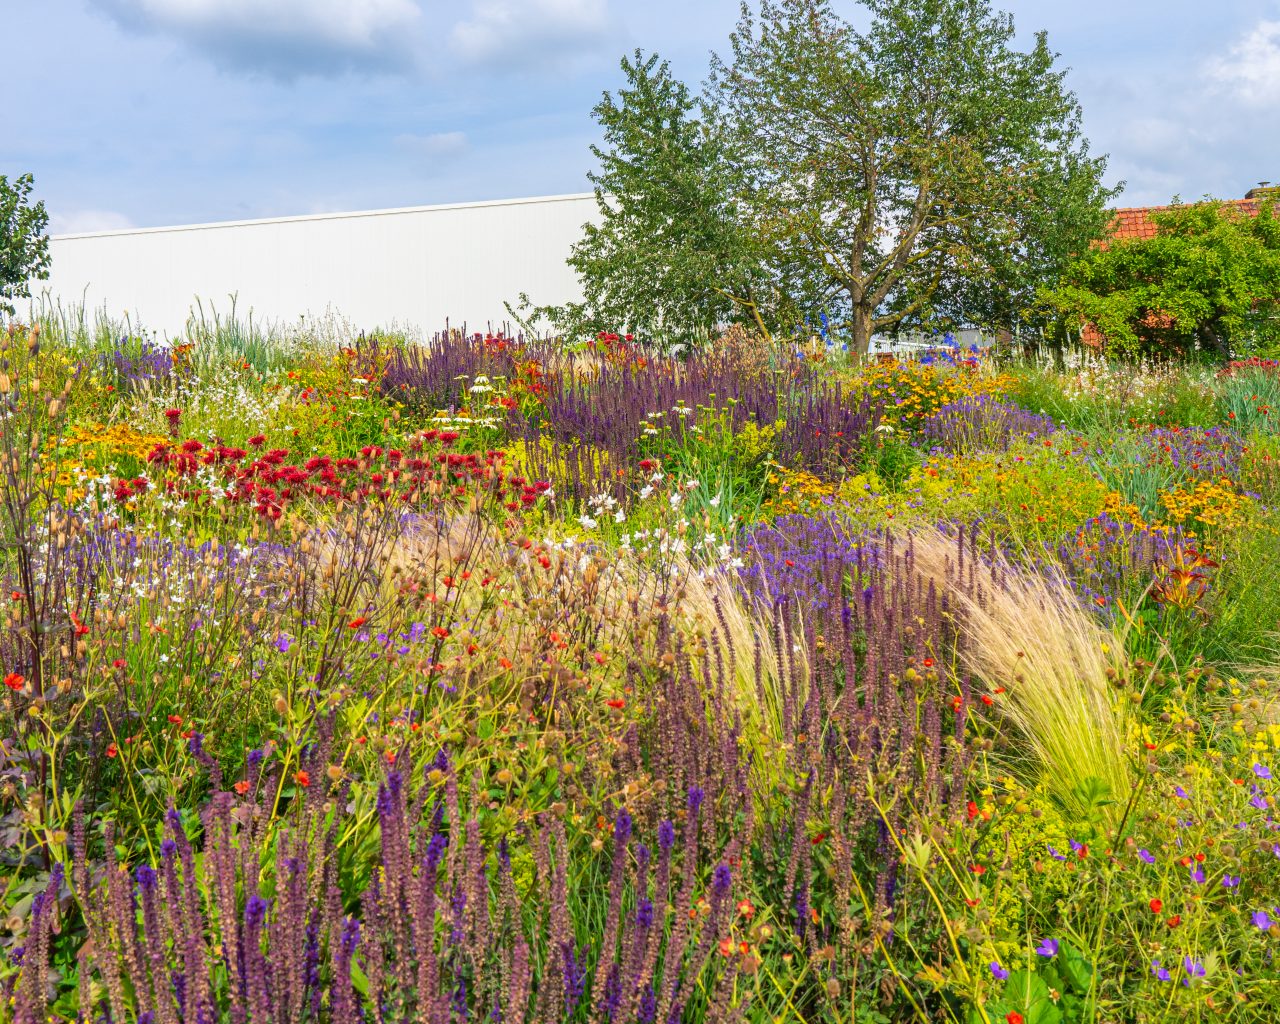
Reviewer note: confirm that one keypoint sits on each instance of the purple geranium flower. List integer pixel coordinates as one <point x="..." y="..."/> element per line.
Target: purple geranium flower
<point x="1194" y="969"/>
<point x="1161" y="973"/>
<point x="1048" y="948"/>
<point x="1230" y="881"/>
<point x="1147" y="856"/>
<point x="1261" y="920"/>
<point x="1000" y="974"/>
<point x="1262" y="771"/>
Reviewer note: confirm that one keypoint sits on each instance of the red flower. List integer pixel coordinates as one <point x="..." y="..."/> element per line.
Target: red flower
<point x="119" y="663"/>
<point x="1157" y="906"/>
<point x="112" y="750"/>
<point x="15" y="681"/>
<point x="357" y="622"/>
<point x="1174" y="921"/>
<point x="986" y="699"/>
<point x="928" y="663"/>
<point x="302" y="778"/>
<point x="1013" y="1017"/>
<point x="258" y="440"/>
<point x="617" y="704"/>
<point x="241" y="787"/>
<point x="175" y="719"/>
<point x="440" y="633"/>
<point x="977" y="869"/>
<point x="972" y="810"/>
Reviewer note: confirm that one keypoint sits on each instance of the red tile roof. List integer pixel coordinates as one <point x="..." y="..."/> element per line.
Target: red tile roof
<point x="1135" y="222"/>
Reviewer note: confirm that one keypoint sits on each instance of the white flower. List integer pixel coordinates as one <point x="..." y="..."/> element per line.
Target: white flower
<point x="714" y="502"/>
<point x="587" y="522"/>
<point x="645" y="491"/>
<point x="619" y="516"/>
<point x="675" y="500"/>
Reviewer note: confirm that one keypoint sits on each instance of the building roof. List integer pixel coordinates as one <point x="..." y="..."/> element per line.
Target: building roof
<point x="1135" y="223"/>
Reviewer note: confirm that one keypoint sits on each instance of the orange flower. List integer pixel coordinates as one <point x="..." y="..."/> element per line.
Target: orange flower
<point x="302" y="778"/>
<point x="241" y="787"/>
<point x="726" y="947"/>
<point x="617" y="705"/>
<point x="175" y="719"/>
<point x="15" y="681"/>
<point x="1013" y="1017"/>
<point x="357" y="622"/>
<point x="747" y="909"/>
<point x="112" y="750"/>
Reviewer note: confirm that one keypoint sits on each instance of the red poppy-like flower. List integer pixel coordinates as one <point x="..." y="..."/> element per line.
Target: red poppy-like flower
<point x="15" y="681"/>
<point x="440" y="633"/>
<point x="972" y="810"/>
<point x="1013" y="1017"/>
<point x="617" y="704"/>
<point x="241" y="787"/>
<point x="1174" y="921"/>
<point x="928" y="663"/>
<point x="302" y="778"/>
<point x="119" y="663"/>
<point x="1157" y="905"/>
<point x="977" y="869"/>
<point x="175" y="719"/>
<point x="987" y="700"/>
<point x="112" y="750"/>
<point x="357" y="622"/>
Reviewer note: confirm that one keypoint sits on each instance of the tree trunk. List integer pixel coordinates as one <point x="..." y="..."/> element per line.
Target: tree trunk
<point x="862" y="323"/>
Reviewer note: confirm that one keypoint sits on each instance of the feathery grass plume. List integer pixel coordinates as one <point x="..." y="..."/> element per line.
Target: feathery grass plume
<point x="1030" y="635"/>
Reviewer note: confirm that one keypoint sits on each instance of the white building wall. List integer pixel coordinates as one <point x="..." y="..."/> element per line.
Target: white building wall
<point x="413" y="267"/>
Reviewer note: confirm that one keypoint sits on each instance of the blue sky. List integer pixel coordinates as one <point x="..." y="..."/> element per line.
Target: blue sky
<point x="151" y="112"/>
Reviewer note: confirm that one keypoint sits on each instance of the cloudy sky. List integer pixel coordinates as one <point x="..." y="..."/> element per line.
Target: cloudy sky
<point x="150" y="112"/>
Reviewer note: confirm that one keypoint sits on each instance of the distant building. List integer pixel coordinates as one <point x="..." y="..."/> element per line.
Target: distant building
<point x="413" y="267"/>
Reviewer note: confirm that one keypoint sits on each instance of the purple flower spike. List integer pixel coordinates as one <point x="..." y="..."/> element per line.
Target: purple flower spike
<point x="1048" y="948"/>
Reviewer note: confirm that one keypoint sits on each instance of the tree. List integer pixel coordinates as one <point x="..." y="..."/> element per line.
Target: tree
<point x="672" y="254"/>
<point x="919" y="170"/>
<point x="24" y="243"/>
<point x="1209" y="277"/>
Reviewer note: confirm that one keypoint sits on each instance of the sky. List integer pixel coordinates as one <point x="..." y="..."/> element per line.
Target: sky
<point x="153" y="112"/>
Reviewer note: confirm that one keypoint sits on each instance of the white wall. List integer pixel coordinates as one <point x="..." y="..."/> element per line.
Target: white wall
<point x="414" y="266"/>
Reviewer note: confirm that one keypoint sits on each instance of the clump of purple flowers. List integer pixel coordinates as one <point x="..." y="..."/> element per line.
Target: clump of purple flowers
<point x="982" y="423"/>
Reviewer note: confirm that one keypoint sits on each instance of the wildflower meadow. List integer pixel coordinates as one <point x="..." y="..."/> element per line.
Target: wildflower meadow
<point x="369" y="677"/>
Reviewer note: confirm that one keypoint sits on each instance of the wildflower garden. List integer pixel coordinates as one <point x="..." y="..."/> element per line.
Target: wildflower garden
<point x="366" y="679"/>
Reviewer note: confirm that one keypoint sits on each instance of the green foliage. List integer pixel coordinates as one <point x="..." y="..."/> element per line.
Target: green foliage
<point x="1210" y="278"/>
<point x="24" y="242"/>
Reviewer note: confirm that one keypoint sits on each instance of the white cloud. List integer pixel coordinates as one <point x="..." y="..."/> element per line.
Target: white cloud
<point x="1251" y="70"/>
<point x="532" y="32"/>
<point x="77" y="222"/>
<point x="282" y="38"/>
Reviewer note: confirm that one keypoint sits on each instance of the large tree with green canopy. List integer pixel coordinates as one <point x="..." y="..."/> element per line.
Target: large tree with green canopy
<point x="918" y="169"/>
